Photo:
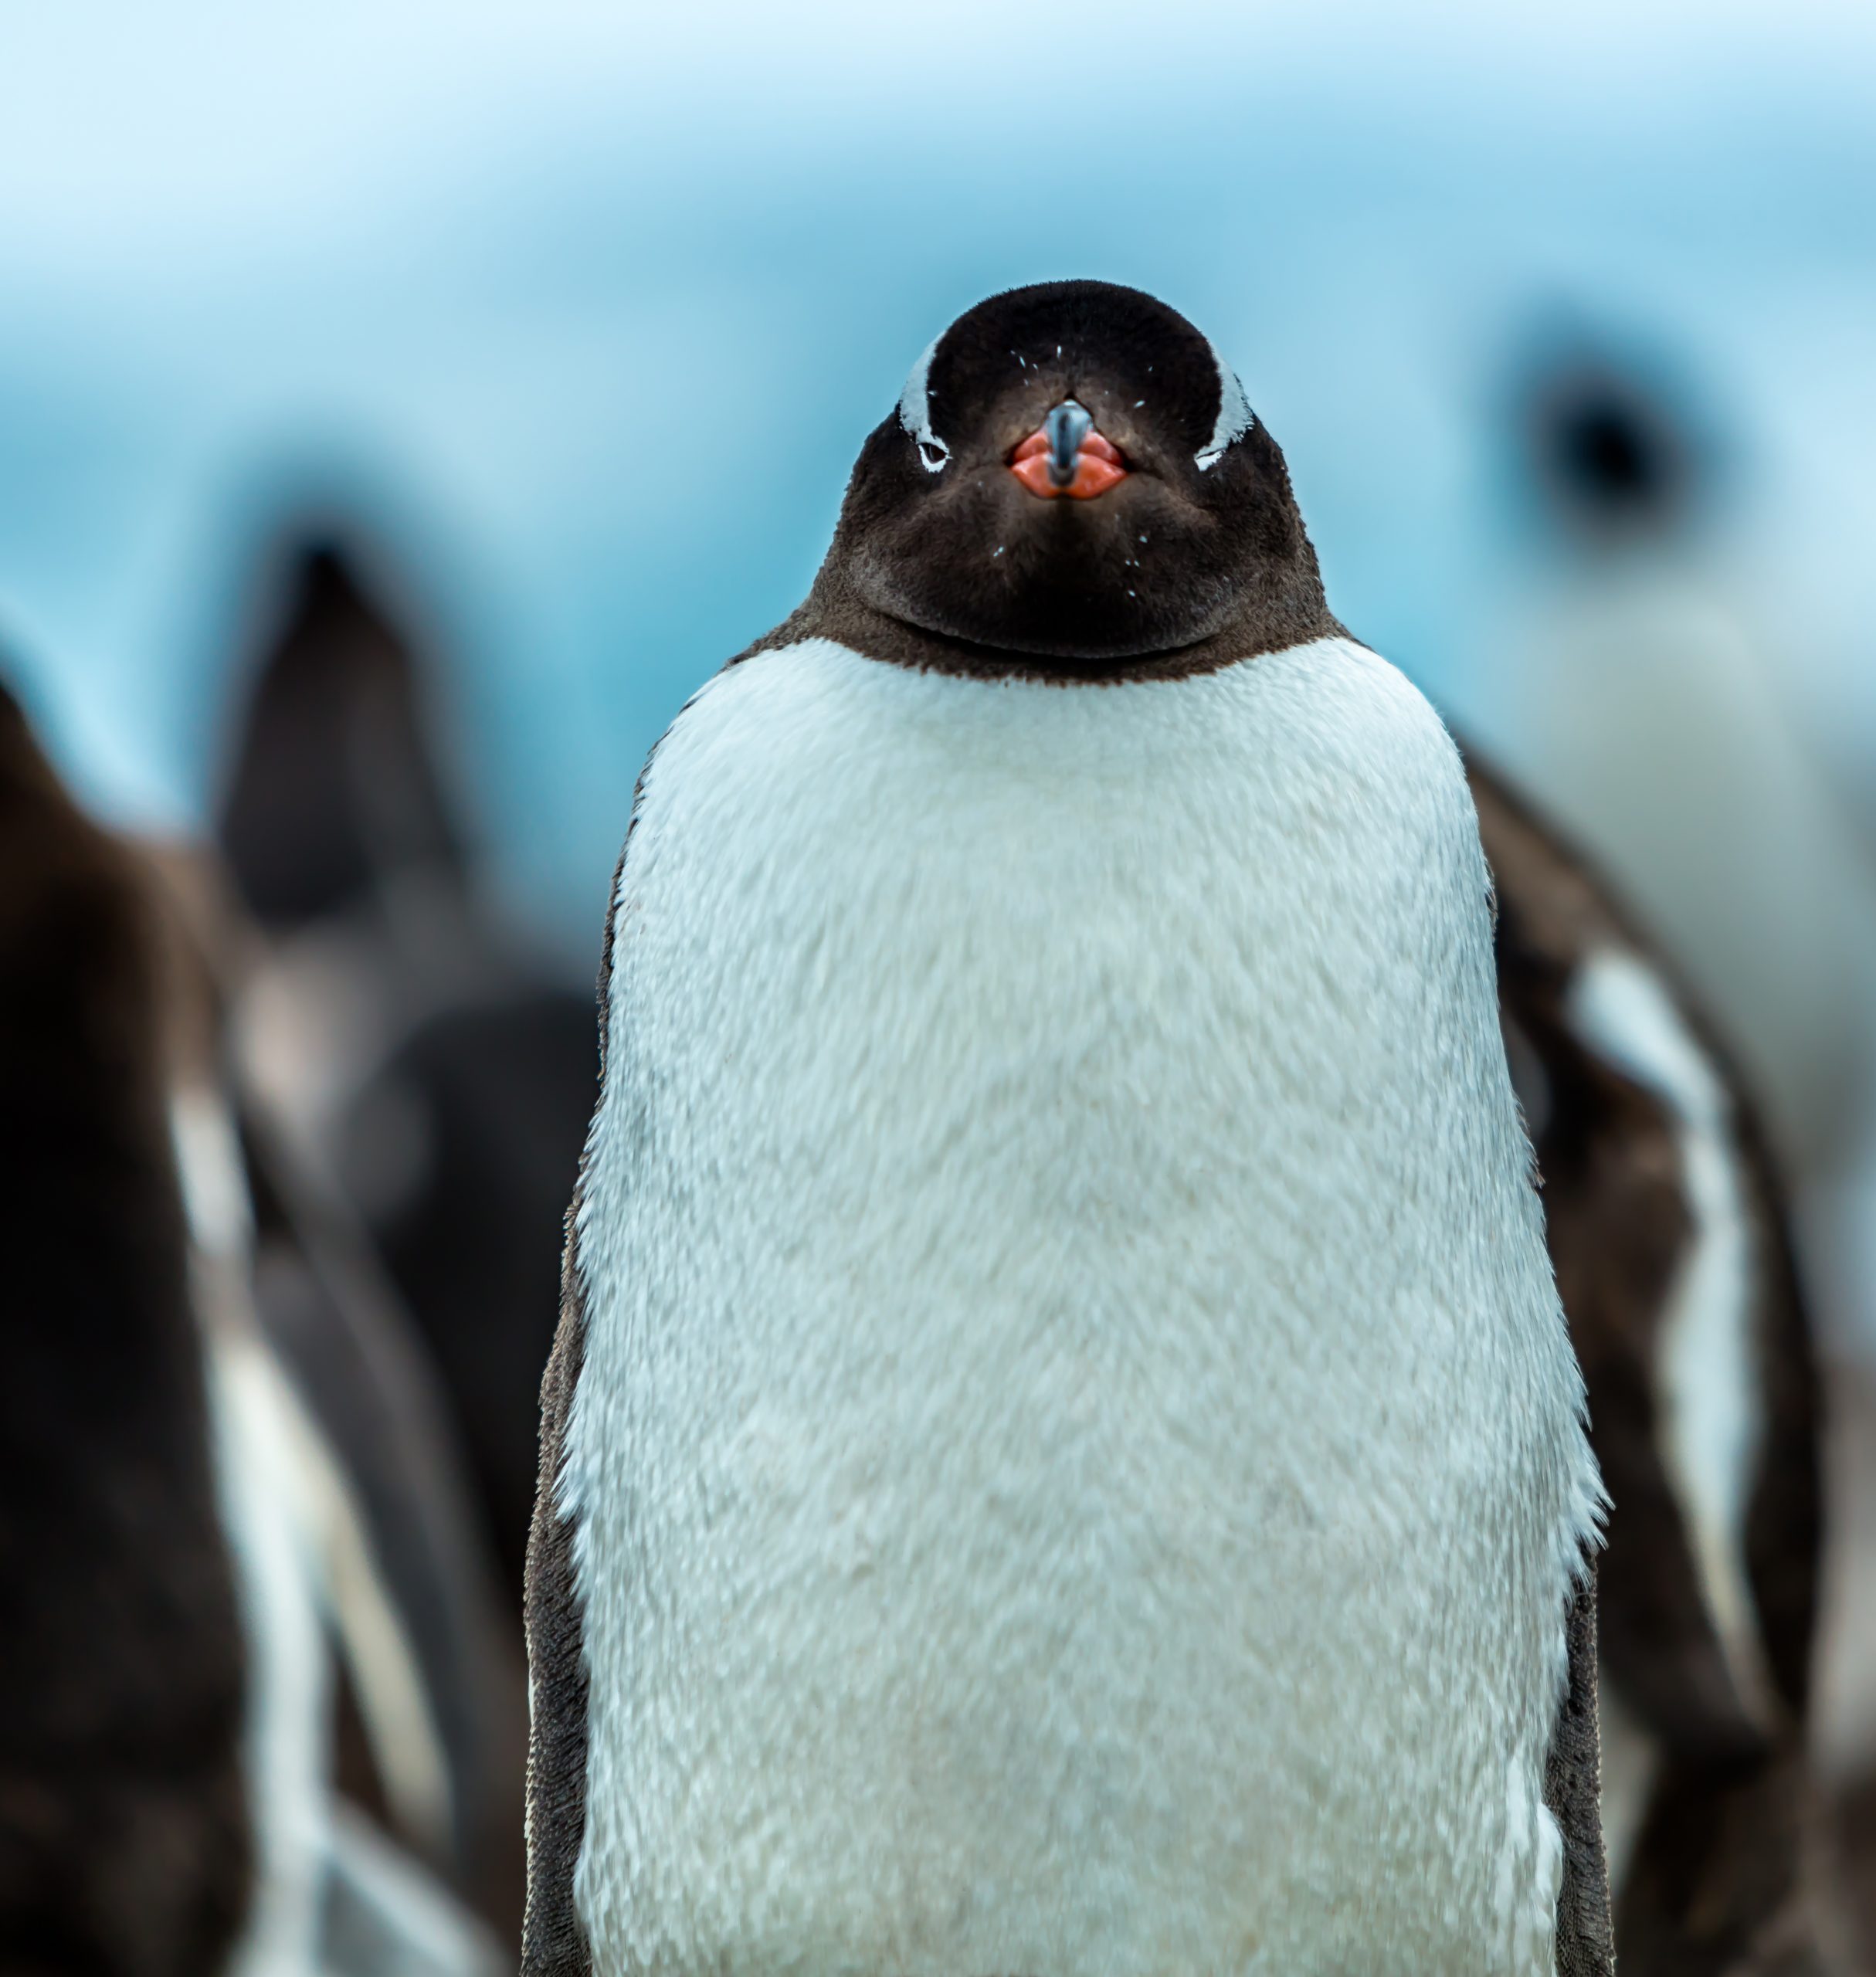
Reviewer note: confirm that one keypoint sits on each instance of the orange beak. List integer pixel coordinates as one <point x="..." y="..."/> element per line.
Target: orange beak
<point x="1066" y="455"/>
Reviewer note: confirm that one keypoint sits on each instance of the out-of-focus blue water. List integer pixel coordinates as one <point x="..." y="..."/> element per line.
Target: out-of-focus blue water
<point x="587" y="314"/>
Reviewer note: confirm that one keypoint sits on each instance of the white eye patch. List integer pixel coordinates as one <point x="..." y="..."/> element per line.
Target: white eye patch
<point x="1234" y="413"/>
<point x="915" y="413"/>
<point x="1233" y="421"/>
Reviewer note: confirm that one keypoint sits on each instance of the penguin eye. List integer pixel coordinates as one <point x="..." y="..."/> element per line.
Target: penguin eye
<point x="932" y="454"/>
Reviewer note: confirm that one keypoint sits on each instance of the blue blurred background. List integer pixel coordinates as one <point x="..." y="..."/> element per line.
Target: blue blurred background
<point x="577" y="315"/>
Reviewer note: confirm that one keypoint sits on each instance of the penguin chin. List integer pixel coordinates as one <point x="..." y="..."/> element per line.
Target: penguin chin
<point x="1081" y="630"/>
<point x="1056" y="580"/>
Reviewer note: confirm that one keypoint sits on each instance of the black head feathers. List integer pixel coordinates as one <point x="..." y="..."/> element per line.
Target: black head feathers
<point x="1073" y="485"/>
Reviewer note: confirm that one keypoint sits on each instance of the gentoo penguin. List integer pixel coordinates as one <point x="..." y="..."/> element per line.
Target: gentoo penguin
<point x="1658" y="725"/>
<point x="126" y="1844"/>
<point x="195" y="1569"/>
<point x="1062" y="1454"/>
<point x="407" y="1036"/>
<point x="1667" y="1227"/>
<point x="1630" y="693"/>
<point x="425" y="1689"/>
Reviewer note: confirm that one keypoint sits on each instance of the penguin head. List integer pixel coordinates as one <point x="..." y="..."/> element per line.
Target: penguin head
<point x="1611" y="444"/>
<point x="1072" y="472"/>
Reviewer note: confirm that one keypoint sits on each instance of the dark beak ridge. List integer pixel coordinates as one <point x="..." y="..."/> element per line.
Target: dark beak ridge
<point x="1066" y="427"/>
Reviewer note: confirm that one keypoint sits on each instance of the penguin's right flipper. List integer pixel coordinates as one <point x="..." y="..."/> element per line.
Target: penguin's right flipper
<point x="553" y="1942"/>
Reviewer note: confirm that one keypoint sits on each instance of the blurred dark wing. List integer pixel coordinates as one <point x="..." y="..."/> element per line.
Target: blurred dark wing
<point x="1675" y="1266"/>
<point x="498" y="1093"/>
<point x="410" y="1579"/>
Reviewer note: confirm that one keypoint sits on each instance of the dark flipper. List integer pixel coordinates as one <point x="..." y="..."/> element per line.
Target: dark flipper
<point x="553" y="1943"/>
<point x="1572" y="1789"/>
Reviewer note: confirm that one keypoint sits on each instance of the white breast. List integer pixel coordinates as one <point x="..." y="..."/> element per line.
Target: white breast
<point x="1078" y="1462"/>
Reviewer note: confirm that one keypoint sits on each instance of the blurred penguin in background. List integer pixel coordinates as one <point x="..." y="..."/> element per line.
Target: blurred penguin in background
<point x="260" y="1676"/>
<point x="437" y="1068"/>
<point x="127" y="1841"/>
<point x="1666" y="1224"/>
<point x="1636" y="704"/>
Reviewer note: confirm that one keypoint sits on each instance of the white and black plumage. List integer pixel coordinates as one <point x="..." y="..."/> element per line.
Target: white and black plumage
<point x="409" y="1039"/>
<point x="203" y="1551"/>
<point x="1063" y="1453"/>
<point x="1667" y="1225"/>
<point x="1651" y="1036"/>
<point x="125" y="1837"/>
<point x="1656" y="723"/>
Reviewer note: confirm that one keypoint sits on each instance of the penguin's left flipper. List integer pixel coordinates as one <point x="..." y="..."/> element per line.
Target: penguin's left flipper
<point x="1674" y="1263"/>
<point x="1586" y="1946"/>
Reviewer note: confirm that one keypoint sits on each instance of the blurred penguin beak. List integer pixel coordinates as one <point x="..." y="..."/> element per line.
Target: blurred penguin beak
<point x="1066" y="455"/>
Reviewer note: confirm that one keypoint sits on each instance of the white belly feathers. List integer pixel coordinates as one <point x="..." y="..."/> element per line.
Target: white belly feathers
<point x="1078" y="1463"/>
